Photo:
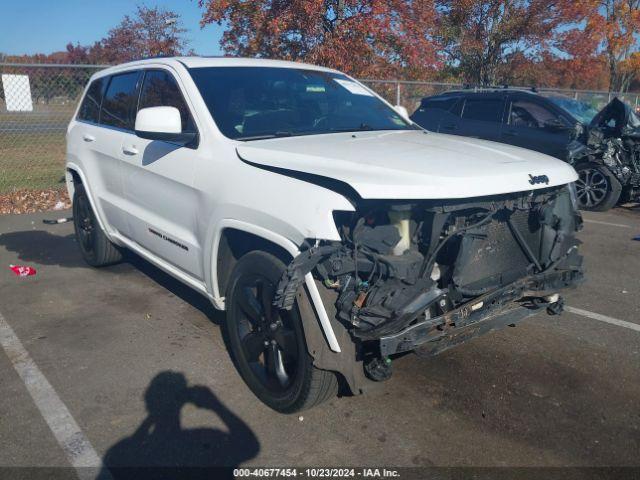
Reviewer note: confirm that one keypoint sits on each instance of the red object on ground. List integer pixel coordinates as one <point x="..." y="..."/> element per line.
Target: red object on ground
<point x="22" y="271"/>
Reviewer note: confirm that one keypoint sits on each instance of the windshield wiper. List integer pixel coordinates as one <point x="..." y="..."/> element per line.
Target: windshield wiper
<point x="362" y="128"/>
<point x="365" y="127"/>
<point x="266" y="136"/>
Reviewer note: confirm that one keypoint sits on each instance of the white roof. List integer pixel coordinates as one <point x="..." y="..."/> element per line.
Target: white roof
<point x="198" y="62"/>
<point x="195" y="62"/>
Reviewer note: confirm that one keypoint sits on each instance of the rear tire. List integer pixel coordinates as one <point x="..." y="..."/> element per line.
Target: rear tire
<point x="267" y="345"/>
<point x="597" y="188"/>
<point x="97" y="250"/>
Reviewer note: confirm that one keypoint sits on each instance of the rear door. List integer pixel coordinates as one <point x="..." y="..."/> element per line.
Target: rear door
<point x="536" y="124"/>
<point x="98" y="140"/>
<point x="435" y="111"/>
<point x="481" y="116"/>
<point x="158" y="180"/>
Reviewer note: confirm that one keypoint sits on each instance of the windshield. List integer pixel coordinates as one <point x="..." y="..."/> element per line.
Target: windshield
<point x="583" y="112"/>
<point x="251" y="103"/>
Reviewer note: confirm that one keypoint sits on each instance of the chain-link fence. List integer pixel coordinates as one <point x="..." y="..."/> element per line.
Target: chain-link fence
<point x="37" y="102"/>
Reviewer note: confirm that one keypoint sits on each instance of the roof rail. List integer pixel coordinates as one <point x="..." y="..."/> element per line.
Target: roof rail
<point x="490" y="88"/>
<point x="151" y="57"/>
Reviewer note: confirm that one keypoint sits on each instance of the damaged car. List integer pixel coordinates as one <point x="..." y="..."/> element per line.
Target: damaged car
<point x="602" y="146"/>
<point x="335" y="233"/>
<point x="607" y="157"/>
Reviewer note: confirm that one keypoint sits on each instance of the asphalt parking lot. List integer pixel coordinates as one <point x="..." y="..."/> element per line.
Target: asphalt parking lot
<point x="137" y="362"/>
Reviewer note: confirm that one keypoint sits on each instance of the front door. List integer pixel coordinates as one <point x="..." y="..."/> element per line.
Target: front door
<point x="534" y="125"/>
<point x="158" y="180"/>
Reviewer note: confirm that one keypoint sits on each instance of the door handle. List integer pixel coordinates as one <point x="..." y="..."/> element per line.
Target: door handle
<point x="88" y="138"/>
<point x="130" y="150"/>
<point x="510" y="133"/>
<point x="450" y="126"/>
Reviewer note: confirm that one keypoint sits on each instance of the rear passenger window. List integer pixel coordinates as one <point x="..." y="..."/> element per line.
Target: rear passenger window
<point x="439" y="104"/>
<point x="90" y="107"/>
<point x="161" y="90"/>
<point x="483" y="109"/>
<point x="119" y="101"/>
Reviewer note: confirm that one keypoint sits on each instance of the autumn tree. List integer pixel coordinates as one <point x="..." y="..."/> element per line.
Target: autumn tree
<point x="363" y="37"/>
<point x="550" y="69"/>
<point x="615" y="24"/>
<point x="149" y="32"/>
<point x="478" y="35"/>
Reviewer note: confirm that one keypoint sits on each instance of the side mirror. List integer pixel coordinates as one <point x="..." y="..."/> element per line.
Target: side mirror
<point x="402" y="111"/>
<point x="161" y="123"/>
<point x="555" y="125"/>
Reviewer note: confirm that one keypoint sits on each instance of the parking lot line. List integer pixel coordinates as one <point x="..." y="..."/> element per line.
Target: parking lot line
<point x="74" y="443"/>
<point x="609" y="224"/>
<point x="603" y="318"/>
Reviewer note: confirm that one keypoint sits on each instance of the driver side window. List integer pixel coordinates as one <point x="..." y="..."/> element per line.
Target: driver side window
<point x="529" y="114"/>
<point x="160" y="89"/>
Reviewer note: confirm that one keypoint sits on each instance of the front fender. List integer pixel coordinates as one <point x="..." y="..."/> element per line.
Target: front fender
<point x="277" y="239"/>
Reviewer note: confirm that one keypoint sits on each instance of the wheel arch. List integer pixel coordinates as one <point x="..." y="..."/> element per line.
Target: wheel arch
<point x="75" y="175"/>
<point x="233" y="244"/>
<point x="254" y="237"/>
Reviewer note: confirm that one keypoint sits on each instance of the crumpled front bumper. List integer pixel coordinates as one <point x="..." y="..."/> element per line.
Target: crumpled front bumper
<point x="492" y="311"/>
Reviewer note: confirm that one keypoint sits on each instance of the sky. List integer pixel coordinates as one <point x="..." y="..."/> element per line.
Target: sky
<point x="46" y="26"/>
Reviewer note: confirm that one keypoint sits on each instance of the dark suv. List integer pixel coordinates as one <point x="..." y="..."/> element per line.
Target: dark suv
<point x="558" y="126"/>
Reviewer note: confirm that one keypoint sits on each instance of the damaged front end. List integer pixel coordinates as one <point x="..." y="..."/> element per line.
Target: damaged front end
<point x="612" y="140"/>
<point x="430" y="274"/>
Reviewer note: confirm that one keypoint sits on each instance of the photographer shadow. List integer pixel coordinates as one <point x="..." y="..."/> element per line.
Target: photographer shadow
<point x="161" y="448"/>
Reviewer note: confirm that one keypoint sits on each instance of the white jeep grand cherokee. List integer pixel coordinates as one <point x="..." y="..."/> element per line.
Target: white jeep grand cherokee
<point x="334" y="232"/>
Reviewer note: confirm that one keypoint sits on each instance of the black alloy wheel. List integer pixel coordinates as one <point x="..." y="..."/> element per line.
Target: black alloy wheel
<point x="95" y="247"/>
<point x="267" y="344"/>
<point x="597" y="189"/>
<point x="85" y="222"/>
<point x="267" y="337"/>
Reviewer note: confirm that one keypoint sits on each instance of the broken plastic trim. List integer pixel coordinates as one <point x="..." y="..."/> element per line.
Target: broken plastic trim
<point x="488" y="312"/>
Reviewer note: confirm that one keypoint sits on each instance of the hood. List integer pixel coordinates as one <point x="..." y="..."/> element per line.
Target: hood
<point x="618" y="119"/>
<point x="411" y="164"/>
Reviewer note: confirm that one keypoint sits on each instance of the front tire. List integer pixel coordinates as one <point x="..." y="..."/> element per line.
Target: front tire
<point x="97" y="250"/>
<point x="597" y="188"/>
<point x="268" y="345"/>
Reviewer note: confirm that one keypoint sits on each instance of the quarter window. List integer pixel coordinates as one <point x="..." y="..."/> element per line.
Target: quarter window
<point x="119" y="101"/>
<point x="90" y="107"/>
<point x="483" y="109"/>
<point x="161" y="90"/>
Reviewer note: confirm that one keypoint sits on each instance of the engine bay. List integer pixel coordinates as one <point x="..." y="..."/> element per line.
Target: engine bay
<point x="401" y="263"/>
